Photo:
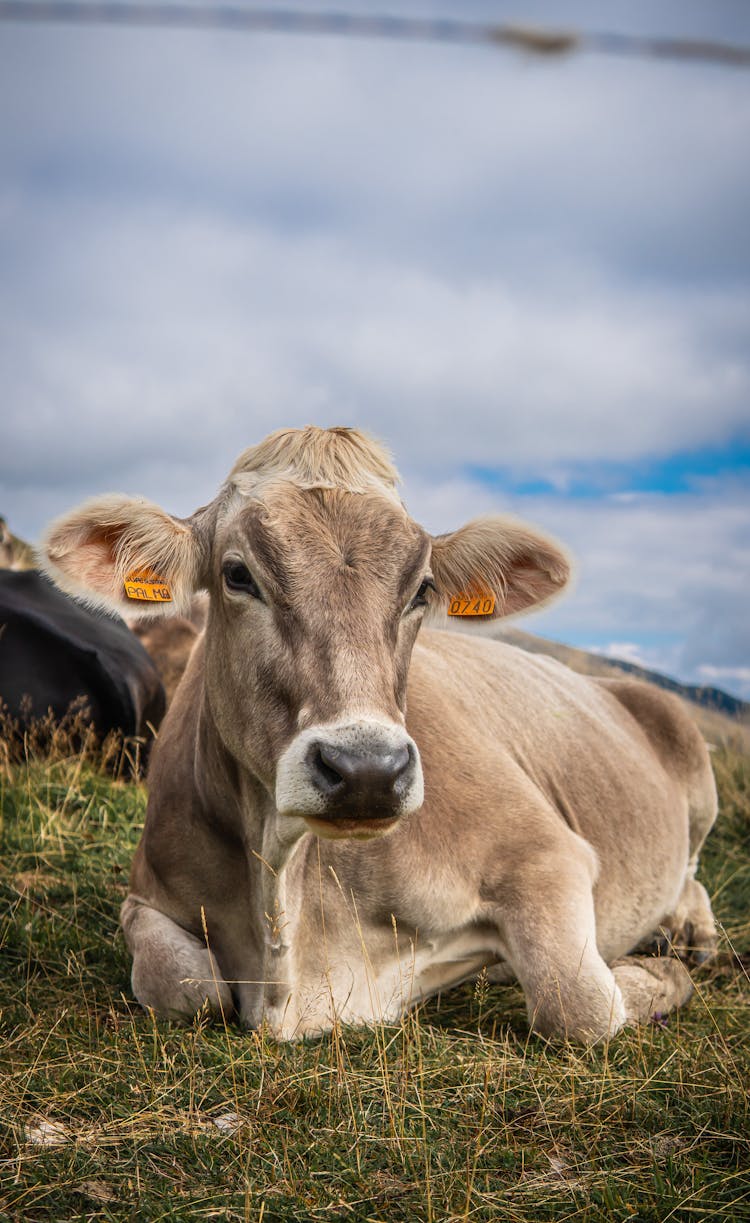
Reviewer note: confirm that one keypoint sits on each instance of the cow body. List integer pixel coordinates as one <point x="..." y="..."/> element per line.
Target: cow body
<point x="54" y="652"/>
<point x="344" y="819"/>
<point x="537" y="780"/>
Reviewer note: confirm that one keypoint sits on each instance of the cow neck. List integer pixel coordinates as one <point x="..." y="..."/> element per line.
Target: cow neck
<point x="238" y="804"/>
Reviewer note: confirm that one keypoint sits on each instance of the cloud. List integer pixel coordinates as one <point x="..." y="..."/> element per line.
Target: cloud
<point x="628" y="651"/>
<point x="489" y="262"/>
<point x="736" y="678"/>
<point x="187" y="338"/>
<point x="467" y="159"/>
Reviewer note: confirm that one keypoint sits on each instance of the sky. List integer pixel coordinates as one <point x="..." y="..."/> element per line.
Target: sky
<point x="529" y="277"/>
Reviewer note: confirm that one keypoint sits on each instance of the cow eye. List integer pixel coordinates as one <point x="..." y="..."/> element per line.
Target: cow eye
<point x="238" y="578"/>
<point x="420" y="598"/>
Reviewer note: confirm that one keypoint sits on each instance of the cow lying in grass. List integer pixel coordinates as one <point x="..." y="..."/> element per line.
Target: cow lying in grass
<point x="346" y="817"/>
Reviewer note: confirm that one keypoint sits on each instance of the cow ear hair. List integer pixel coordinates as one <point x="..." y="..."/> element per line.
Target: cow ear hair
<point x="93" y="550"/>
<point x="500" y="557"/>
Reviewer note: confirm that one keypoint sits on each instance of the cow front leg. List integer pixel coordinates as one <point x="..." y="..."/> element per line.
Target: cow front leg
<point x="570" y="991"/>
<point x="174" y="973"/>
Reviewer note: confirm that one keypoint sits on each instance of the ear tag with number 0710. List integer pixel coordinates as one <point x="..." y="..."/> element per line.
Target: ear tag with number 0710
<point x="144" y="586"/>
<point x="471" y="605"/>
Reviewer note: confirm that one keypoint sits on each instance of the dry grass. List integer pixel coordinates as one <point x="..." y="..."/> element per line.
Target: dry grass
<point x="25" y="739"/>
<point x="456" y="1113"/>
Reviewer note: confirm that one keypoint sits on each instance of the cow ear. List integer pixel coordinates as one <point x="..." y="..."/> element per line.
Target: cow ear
<point x="124" y="555"/>
<point x="495" y="567"/>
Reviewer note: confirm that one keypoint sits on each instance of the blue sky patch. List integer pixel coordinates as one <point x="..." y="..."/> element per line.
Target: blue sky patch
<point x="686" y="472"/>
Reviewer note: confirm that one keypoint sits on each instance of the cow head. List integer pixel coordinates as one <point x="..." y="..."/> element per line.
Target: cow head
<point x="318" y="581"/>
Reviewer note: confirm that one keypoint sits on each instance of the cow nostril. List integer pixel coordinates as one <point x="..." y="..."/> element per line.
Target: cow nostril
<point x="323" y="766"/>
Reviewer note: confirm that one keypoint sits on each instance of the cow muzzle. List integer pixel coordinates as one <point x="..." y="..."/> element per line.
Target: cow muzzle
<point x="350" y="779"/>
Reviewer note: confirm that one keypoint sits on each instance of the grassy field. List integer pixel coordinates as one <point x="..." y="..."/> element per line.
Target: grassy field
<point x="455" y="1114"/>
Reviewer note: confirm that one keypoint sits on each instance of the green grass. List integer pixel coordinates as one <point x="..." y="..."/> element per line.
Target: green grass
<point x="454" y="1114"/>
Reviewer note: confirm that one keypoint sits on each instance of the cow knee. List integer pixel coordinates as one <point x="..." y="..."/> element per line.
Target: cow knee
<point x="178" y="982"/>
<point x="585" y="1009"/>
<point x="174" y="973"/>
<point x="592" y="1009"/>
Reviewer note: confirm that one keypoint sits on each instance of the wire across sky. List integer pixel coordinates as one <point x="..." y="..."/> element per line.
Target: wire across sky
<point x="532" y="40"/>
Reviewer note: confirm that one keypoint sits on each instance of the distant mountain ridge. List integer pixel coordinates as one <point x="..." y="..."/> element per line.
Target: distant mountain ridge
<point x="708" y="698"/>
<point x="700" y="694"/>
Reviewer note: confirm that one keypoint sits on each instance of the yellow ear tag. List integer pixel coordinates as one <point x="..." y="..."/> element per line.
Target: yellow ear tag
<point x="144" y="586"/>
<point x="471" y="605"/>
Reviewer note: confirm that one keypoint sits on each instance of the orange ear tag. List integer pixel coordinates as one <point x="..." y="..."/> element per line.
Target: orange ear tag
<point x="144" y="586"/>
<point x="474" y="605"/>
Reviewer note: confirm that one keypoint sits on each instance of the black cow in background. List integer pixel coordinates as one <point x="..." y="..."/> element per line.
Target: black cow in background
<point x="54" y="651"/>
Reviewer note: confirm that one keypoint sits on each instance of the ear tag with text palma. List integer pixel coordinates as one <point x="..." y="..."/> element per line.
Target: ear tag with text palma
<point x="145" y="586"/>
<point x="471" y="605"/>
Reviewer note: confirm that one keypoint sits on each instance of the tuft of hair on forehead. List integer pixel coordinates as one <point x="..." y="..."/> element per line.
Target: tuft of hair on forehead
<point x="312" y="457"/>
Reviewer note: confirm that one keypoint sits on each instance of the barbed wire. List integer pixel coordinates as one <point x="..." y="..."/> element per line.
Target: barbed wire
<point x="533" y="40"/>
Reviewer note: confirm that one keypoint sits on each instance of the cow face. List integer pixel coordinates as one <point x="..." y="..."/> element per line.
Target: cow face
<point x="318" y="583"/>
<point x="316" y="599"/>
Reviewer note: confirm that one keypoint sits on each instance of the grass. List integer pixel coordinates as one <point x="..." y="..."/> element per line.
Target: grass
<point x="456" y="1113"/>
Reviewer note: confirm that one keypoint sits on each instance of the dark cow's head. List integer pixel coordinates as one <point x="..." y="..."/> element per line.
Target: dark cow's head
<point x="319" y="581"/>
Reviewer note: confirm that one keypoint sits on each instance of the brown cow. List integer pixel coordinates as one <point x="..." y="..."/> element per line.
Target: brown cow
<point x="344" y="819"/>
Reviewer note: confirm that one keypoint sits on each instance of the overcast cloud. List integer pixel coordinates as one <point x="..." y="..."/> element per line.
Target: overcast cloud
<point x="531" y="279"/>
